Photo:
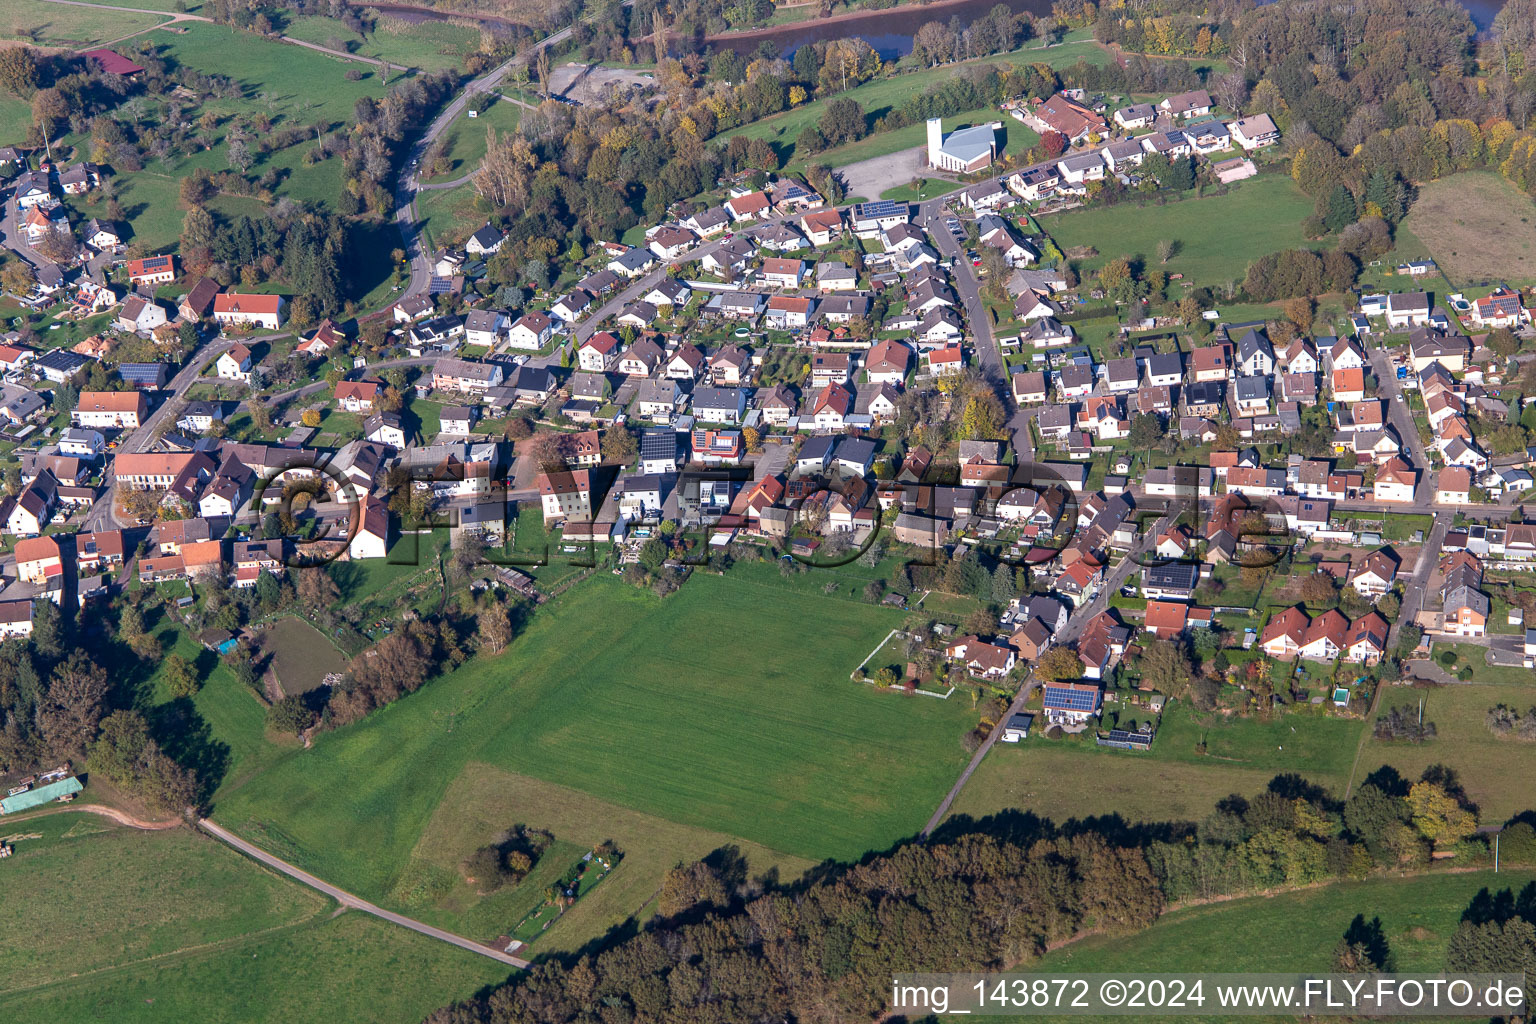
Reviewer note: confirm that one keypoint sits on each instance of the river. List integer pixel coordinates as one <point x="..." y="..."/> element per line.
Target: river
<point x="890" y="32"/>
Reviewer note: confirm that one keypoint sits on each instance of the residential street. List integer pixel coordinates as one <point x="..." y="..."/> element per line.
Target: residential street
<point x="1068" y="636"/>
<point x="1402" y="421"/>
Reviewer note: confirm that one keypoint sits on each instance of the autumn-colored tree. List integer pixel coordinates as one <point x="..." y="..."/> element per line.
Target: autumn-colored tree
<point x="18" y="70"/>
<point x="551" y="450"/>
<point x="1059" y="664"/>
<point x="1319" y="589"/>
<point x="1299" y="311"/>
<point x="1438" y="816"/>
<point x="180" y="678"/>
<point x="310" y="418"/>
<point x="495" y="629"/>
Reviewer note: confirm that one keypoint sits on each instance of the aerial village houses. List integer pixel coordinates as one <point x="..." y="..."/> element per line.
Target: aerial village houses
<point x="235" y="309"/>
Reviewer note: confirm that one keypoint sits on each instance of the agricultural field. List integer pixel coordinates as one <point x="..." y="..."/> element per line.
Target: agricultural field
<point x="1172" y="782"/>
<point x="126" y="925"/>
<point x="1478" y="229"/>
<point x="1494" y="770"/>
<point x="65" y="25"/>
<point x="1217" y="236"/>
<point x="743" y="738"/>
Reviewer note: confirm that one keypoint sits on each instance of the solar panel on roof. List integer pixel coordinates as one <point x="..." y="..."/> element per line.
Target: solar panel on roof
<point x="1069" y="698"/>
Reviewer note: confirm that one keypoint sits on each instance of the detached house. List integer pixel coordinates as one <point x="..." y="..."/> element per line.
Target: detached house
<point x="1395" y="481"/>
<point x="565" y="495"/>
<point x="357" y="395"/>
<point x="641" y="359"/>
<point x="233" y="309"/>
<point x="234" y="364"/>
<point x="599" y="353"/>
<point x="1407" y="309"/>
<point x="1501" y="308"/>
<point x="1195" y="103"/>
<point x="531" y="331"/>
<point x="780" y="272"/>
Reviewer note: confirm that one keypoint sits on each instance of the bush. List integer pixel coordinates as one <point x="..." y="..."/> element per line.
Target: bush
<point x="1446" y="658"/>
<point x="1517" y="844"/>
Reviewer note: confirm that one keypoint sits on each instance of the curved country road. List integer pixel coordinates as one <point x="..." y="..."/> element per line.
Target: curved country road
<point x="410" y="182"/>
<point x="346" y="899"/>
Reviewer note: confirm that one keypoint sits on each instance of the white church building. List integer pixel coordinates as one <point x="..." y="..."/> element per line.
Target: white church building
<point x="964" y="150"/>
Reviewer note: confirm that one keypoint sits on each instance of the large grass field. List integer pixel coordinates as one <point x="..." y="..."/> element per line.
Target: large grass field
<point x="428" y="45"/>
<point x="96" y="895"/>
<point x="289" y="84"/>
<point x="724" y="707"/>
<point x="450" y="214"/>
<point x="1294" y="931"/>
<point x="1217" y="236"/>
<point x="1496" y="772"/>
<point x="484" y="801"/>
<point x="66" y="25"/>
<point x="1172" y="782"/>
<point x="109" y="923"/>
<point x="1478" y="227"/>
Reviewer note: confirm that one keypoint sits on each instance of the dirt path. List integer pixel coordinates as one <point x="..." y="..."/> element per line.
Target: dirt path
<point x="121" y="817"/>
<point x="346" y="899"/>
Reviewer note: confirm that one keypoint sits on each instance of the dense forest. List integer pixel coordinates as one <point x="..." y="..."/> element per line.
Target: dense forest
<point x="986" y="896"/>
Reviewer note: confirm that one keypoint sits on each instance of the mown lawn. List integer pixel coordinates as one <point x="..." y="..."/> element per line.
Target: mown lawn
<point x="1217" y="236"/>
<point x="883" y="95"/>
<point x="464" y="143"/>
<point x="450" y="215"/>
<point x="722" y="707"/>
<point x="361" y="969"/>
<point x="1014" y="138"/>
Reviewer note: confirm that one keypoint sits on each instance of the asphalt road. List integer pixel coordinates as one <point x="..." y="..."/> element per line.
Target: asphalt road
<point x="346" y="899"/>
<point x="410" y="183"/>
<point x="1402" y="421"/>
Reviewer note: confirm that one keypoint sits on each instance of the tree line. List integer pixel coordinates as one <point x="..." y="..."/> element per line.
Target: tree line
<point x="725" y="946"/>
